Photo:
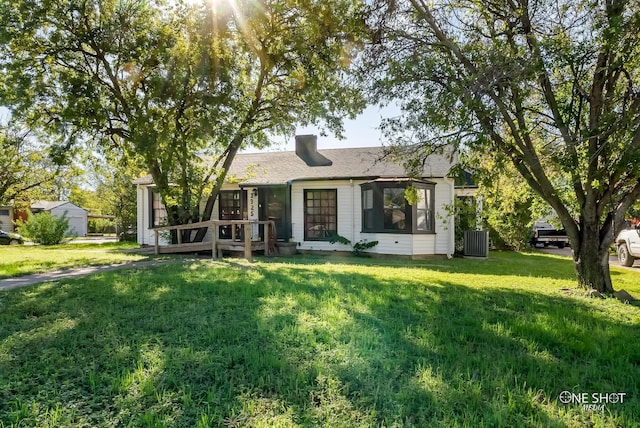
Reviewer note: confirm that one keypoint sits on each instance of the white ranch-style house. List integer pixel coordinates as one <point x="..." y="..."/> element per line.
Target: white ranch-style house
<point x="312" y="195"/>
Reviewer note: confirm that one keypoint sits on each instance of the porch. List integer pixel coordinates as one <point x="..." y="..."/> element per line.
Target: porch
<point x="238" y="236"/>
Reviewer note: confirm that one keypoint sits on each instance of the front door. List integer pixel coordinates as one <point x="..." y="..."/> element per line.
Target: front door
<point x="275" y="205"/>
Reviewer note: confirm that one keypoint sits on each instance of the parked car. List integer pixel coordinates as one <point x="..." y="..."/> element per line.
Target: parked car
<point x="9" y="238"/>
<point x="628" y="246"/>
<point x="544" y="234"/>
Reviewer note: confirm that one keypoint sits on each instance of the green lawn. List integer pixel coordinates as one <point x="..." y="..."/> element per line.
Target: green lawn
<point x="27" y="259"/>
<point x="319" y="342"/>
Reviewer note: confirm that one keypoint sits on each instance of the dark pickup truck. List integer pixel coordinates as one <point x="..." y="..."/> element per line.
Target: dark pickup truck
<point x="544" y="235"/>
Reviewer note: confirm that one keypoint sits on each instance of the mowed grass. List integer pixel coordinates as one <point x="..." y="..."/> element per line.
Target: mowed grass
<point x="319" y="342"/>
<point x="28" y="259"/>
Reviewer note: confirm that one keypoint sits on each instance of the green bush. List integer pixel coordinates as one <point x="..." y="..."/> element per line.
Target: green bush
<point x="466" y="218"/>
<point x="44" y="228"/>
<point x="102" y="225"/>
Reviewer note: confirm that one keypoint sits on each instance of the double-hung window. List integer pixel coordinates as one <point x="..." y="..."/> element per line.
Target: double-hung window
<point x="368" y="212"/>
<point x="424" y="209"/>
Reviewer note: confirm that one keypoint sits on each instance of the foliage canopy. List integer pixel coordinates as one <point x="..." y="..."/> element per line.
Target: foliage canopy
<point x="27" y="170"/>
<point x="551" y="87"/>
<point x="172" y="83"/>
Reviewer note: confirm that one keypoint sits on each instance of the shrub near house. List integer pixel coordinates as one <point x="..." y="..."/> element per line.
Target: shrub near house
<point x="76" y="215"/>
<point x="44" y="228"/>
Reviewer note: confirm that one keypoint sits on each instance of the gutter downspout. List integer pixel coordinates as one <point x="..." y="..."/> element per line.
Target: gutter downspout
<point x="353" y="209"/>
<point x="292" y="238"/>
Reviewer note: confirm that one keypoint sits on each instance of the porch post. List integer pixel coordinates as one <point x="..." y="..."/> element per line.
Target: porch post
<point x="252" y="211"/>
<point x="479" y="209"/>
<point x="247" y="241"/>
<point x="267" y="229"/>
<point x="214" y="239"/>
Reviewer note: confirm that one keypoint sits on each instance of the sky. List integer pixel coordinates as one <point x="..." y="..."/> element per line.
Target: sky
<point x="360" y="132"/>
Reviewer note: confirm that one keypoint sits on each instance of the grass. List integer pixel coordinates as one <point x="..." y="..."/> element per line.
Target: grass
<point x="28" y="259"/>
<point x="319" y="342"/>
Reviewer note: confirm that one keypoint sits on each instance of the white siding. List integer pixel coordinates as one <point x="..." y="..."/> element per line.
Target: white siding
<point x="398" y="244"/>
<point x="142" y="220"/>
<point x="350" y="221"/>
<point x="426" y="244"/>
<point x="348" y="205"/>
<point x="440" y="243"/>
<point x="77" y="218"/>
<point x="146" y="235"/>
<point x="445" y="233"/>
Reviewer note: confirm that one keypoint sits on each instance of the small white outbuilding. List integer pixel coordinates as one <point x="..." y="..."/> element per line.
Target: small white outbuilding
<point x="77" y="216"/>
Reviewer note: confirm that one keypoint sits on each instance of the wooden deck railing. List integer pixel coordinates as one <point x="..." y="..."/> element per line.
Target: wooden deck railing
<point x="216" y="245"/>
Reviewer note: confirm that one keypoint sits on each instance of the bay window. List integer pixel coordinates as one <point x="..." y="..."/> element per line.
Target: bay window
<point x="385" y="208"/>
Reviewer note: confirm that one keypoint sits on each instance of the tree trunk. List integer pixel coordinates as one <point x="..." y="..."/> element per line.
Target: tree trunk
<point x="591" y="259"/>
<point x="208" y="209"/>
<point x="592" y="270"/>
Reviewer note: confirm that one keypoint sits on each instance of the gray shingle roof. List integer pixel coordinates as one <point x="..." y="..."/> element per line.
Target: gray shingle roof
<point x="49" y="205"/>
<point x="282" y="167"/>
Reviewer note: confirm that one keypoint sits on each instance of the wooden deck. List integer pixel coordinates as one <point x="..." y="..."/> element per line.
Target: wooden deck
<point x="217" y="245"/>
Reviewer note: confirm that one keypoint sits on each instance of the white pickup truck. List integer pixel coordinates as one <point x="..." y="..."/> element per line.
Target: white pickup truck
<point x="628" y="246"/>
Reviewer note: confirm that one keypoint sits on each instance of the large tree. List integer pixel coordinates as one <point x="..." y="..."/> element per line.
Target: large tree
<point x="176" y="83"/>
<point x="550" y="86"/>
<point x="111" y="177"/>
<point x="28" y="170"/>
